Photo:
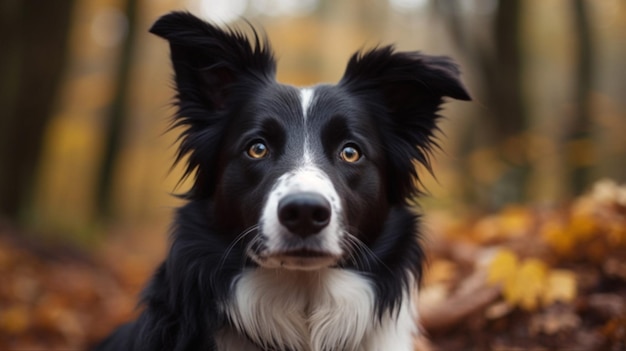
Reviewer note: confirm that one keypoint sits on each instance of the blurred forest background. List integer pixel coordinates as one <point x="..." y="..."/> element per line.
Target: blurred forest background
<point x="86" y="92"/>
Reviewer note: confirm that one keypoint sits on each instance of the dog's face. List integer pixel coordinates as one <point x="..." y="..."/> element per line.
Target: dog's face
<point x="302" y="177"/>
<point x="308" y="171"/>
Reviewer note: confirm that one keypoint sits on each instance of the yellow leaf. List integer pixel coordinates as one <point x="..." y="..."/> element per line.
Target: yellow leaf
<point x="560" y="286"/>
<point x="503" y="268"/>
<point x="529" y="284"/>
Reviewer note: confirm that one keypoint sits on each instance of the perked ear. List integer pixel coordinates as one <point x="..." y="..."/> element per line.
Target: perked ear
<point x="209" y="65"/>
<point x="208" y="59"/>
<point x="406" y="90"/>
<point x="425" y="76"/>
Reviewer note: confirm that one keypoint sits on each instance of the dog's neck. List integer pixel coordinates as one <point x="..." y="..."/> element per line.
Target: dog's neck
<point x="329" y="309"/>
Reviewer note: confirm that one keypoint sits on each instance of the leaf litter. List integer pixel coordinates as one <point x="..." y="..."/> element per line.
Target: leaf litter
<point x="525" y="278"/>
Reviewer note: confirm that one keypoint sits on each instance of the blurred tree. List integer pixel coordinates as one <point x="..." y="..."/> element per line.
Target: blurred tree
<point x="118" y="114"/>
<point x="34" y="37"/>
<point x="578" y="136"/>
<point x="497" y="57"/>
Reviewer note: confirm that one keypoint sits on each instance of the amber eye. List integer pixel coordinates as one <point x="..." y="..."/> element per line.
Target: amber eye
<point x="350" y="154"/>
<point x="257" y="150"/>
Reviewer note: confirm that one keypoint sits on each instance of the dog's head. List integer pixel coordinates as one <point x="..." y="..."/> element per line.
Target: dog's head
<point x="301" y="176"/>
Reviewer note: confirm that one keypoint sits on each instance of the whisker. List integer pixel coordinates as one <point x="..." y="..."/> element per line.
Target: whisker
<point x="253" y="241"/>
<point x="352" y="239"/>
<point x="360" y="253"/>
<point x="234" y="242"/>
<point x="356" y="252"/>
<point x="350" y="250"/>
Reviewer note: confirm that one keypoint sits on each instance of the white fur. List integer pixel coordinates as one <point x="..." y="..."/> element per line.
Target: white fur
<point x="397" y="332"/>
<point x="324" y="310"/>
<point x="306" y="98"/>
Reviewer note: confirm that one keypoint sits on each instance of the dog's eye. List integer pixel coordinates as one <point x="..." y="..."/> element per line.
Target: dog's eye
<point x="350" y="153"/>
<point x="258" y="150"/>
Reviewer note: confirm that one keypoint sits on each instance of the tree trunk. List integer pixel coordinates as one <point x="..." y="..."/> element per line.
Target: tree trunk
<point x="117" y="116"/>
<point x="580" y="128"/>
<point x="504" y="122"/>
<point x="34" y="37"/>
<point x="507" y="98"/>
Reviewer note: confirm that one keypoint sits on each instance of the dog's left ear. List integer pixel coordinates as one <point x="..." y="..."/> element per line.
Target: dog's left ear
<point x="405" y="90"/>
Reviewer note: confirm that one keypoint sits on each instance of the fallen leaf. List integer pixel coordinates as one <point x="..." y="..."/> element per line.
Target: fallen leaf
<point x="582" y="227"/>
<point x="555" y="234"/>
<point x="528" y="284"/>
<point x="514" y="221"/>
<point x="560" y="286"/>
<point x="502" y="268"/>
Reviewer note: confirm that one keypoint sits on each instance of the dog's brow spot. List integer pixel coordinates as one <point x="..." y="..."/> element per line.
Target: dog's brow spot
<point x="306" y="97"/>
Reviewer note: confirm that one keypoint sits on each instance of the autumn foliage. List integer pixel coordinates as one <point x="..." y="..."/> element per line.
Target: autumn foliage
<point x="531" y="277"/>
<point x="526" y="277"/>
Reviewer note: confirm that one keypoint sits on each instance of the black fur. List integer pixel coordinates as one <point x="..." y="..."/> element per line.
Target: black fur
<point x="387" y="101"/>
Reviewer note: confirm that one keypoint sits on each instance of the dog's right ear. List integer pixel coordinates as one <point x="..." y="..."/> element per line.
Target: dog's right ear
<point x="214" y="69"/>
<point x="207" y="59"/>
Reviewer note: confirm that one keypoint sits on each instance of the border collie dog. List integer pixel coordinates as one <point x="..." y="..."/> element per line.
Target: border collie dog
<point x="298" y="232"/>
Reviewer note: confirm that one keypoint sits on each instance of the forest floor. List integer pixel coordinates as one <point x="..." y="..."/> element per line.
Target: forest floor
<point x="526" y="278"/>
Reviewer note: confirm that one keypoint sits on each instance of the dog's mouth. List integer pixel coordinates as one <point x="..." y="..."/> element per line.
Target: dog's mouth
<point x="299" y="259"/>
<point x="304" y="253"/>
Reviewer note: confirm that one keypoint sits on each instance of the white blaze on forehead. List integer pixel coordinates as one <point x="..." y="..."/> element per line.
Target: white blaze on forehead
<point x="306" y="97"/>
<point x="307" y="179"/>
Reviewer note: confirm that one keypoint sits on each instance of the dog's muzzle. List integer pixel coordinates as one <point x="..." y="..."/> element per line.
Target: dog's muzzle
<point x="301" y="225"/>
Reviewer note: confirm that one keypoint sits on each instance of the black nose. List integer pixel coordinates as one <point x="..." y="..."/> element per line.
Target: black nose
<point x="304" y="214"/>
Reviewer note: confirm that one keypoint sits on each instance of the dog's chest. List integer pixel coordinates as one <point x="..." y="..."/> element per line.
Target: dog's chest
<point x="305" y="311"/>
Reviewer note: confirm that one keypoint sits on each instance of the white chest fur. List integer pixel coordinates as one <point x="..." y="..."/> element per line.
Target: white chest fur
<point x="331" y="309"/>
